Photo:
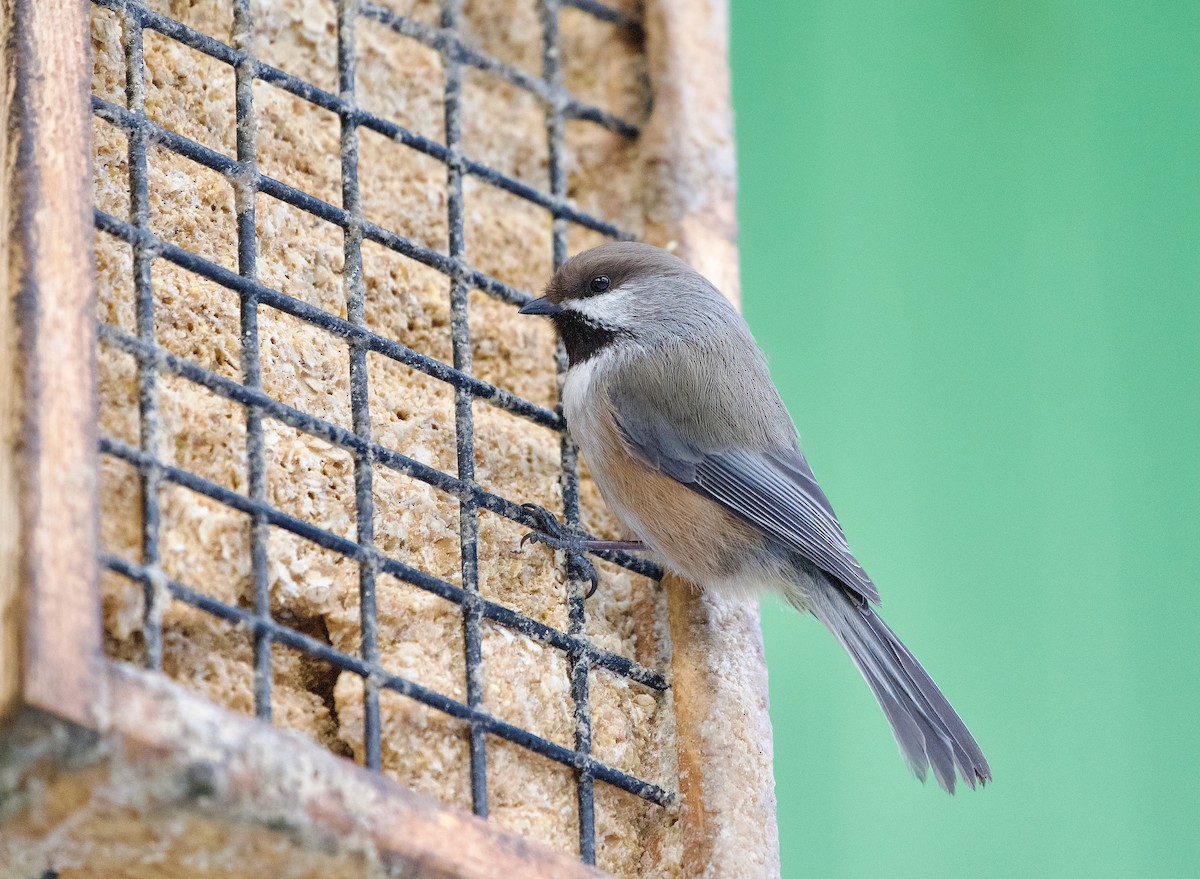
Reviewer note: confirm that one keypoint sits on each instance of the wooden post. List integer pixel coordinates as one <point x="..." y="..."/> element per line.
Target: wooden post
<point x="48" y="601"/>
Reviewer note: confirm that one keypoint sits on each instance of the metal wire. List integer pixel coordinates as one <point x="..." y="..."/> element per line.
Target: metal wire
<point x="464" y="418"/>
<point x="552" y="74"/>
<point x="582" y="656"/>
<point x="256" y="467"/>
<point x="360" y="413"/>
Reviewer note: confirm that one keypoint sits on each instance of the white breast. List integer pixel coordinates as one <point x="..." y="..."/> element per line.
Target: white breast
<point x="580" y="395"/>
<point x="589" y="421"/>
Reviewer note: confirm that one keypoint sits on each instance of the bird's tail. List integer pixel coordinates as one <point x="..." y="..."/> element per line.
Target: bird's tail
<point x="928" y="730"/>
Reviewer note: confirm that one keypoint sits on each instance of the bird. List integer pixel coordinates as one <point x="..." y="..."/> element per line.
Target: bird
<point x="671" y="403"/>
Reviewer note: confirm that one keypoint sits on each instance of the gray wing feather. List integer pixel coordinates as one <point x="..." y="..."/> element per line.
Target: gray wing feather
<point x="777" y="493"/>
<point x="774" y="491"/>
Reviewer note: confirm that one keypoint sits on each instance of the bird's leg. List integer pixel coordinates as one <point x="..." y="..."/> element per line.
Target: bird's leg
<point x="554" y="534"/>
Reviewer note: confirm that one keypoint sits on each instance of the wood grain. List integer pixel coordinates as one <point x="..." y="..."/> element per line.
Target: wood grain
<point x="49" y="401"/>
<point x="10" y="407"/>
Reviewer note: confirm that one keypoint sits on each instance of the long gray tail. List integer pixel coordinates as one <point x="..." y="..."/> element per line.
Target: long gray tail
<point x="928" y="730"/>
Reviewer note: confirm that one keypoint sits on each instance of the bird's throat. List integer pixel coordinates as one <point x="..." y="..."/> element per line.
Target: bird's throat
<point x="582" y="338"/>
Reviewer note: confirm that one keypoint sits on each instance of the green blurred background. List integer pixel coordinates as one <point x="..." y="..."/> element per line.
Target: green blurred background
<point x="970" y="236"/>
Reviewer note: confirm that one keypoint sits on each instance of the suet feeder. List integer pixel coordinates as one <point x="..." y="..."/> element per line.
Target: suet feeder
<point x="269" y="420"/>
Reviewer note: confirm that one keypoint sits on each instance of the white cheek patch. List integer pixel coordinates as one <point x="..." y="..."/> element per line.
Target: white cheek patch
<point x="613" y="309"/>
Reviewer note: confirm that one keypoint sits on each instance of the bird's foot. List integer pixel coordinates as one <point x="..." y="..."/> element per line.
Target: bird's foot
<point x="559" y="536"/>
<point x="556" y="535"/>
<point x="551" y="532"/>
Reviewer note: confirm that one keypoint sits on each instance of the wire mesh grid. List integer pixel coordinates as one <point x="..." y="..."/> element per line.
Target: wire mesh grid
<point x="153" y="361"/>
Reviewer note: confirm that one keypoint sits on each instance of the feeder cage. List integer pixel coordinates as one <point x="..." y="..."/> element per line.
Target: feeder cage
<point x="269" y="420"/>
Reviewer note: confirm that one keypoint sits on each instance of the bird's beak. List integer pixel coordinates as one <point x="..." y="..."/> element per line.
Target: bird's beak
<point x="541" y="306"/>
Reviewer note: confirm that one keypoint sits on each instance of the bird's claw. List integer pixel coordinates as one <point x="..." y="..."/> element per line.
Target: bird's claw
<point x="582" y="569"/>
<point x="554" y="534"/>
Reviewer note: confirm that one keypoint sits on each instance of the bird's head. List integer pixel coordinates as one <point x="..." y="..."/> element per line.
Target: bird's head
<point x="626" y="294"/>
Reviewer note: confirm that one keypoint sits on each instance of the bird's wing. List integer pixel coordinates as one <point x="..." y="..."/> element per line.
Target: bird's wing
<point x="774" y="491"/>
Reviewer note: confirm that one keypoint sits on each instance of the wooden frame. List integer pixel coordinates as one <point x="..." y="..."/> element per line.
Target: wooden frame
<point x="89" y="735"/>
<point x="48" y="400"/>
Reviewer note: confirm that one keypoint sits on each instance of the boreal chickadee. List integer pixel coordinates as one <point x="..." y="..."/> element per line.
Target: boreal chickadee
<point x="671" y="403"/>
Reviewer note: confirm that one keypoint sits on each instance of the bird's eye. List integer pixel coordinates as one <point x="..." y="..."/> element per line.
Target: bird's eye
<point x="599" y="283"/>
